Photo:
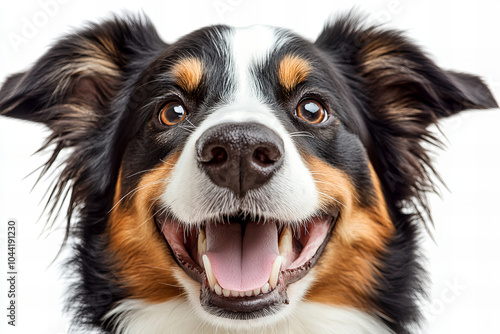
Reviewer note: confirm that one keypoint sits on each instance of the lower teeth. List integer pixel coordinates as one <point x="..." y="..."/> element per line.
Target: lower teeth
<point x="250" y="293"/>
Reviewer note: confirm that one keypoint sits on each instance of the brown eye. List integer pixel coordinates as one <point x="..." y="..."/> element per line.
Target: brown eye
<point x="172" y="113"/>
<point x="311" y="111"/>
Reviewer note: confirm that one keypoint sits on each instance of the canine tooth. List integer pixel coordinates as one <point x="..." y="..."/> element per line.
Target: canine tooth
<point x="202" y="242"/>
<point x="218" y="289"/>
<point x="208" y="269"/>
<point x="285" y="241"/>
<point x="273" y="278"/>
<point x="226" y="293"/>
<point x="265" y="288"/>
<point x="249" y="293"/>
<point x="256" y="292"/>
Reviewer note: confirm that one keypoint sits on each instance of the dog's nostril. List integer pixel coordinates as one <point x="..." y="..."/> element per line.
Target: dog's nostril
<point x="219" y="155"/>
<point x="212" y="155"/>
<point x="265" y="157"/>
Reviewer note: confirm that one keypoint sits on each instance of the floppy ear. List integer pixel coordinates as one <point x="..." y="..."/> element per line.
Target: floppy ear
<point x="72" y="89"/>
<point x="404" y="92"/>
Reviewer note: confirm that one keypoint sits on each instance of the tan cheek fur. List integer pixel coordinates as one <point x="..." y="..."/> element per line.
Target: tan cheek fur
<point x="347" y="271"/>
<point x="142" y="256"/>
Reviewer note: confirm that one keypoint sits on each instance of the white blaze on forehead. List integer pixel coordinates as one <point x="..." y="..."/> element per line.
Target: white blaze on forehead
<point x="291" y="195"/>
<point x="251" y="47"/>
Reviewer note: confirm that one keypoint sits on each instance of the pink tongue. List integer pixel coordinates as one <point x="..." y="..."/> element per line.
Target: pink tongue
<point x="242" y="262"/>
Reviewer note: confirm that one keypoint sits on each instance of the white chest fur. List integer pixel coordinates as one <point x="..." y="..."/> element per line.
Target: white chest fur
<point x="177" y="316"/>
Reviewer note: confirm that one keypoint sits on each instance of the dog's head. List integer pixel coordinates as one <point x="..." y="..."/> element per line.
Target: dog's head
<point x="242" y="172"/>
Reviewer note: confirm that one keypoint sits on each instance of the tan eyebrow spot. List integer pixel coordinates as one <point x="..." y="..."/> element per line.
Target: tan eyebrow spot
<point x="293" y="70"/>
<point x="188" y="73"/>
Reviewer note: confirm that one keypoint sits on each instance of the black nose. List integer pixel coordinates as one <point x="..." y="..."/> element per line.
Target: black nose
<point x="240" y="156"/>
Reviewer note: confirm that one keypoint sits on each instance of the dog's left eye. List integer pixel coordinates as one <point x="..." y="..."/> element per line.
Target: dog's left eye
<point x="311" y="111"/>
<point x="172" y="113"/>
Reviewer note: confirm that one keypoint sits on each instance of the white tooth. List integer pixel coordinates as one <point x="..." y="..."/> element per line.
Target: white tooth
<point x="218" y="289"/>
<point x="202" y="241"/>
<point x="248" y="293"/>
<point x="208" y="269"/>
<point x="226" y="293"/>
<point x="256" y="292"/>
<point x="265" y="288"/>
<point x="235" y="293"/>
<point x="285" y="242"/>
<point x="242" y="294"/>
<point x="273" y="278"/>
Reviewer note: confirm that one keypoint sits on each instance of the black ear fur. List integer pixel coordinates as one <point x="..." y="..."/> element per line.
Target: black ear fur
<point x="78" y="89"/>
<point x="473" y="89"/>
<point x="83" y="69"/>
<point x="400" y="93"/>
<point x="403" y="92"/>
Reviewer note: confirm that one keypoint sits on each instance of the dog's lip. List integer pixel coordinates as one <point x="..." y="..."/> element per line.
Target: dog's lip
<point x="244" y="308"/>
<point x="247" y="306"/>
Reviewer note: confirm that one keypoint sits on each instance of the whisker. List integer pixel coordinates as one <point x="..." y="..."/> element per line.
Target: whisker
<point x="156" y="199"/>
<point x="168" y="163"/>
<point x="186" y="128"/>
<point x="165" y="209"/>
<point x="341" y="188"/>
<point x="334" y="199"/>
<point x="187" y="120"/>
<point x="335" y="184"/>
<point x="302" y="134"/>
<point x="146" y="170"/>
<point x="172" y="285"/>
<point x="151" y="217"/>
<point x="133" y="192"/>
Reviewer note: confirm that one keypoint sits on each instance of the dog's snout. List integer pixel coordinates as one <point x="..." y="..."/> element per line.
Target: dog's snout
<point x="240" y="156"/>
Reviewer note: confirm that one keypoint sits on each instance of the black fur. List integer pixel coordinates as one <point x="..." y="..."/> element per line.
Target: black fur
<point x="95" y="137"/>
<point x="104" y="115"/>
<point x="409" y="79"/>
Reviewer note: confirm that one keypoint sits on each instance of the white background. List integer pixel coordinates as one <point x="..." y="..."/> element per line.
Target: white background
<point x="463" y="263"/>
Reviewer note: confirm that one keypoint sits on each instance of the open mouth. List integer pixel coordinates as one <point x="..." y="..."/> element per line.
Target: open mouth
<point x="244" y="266"/>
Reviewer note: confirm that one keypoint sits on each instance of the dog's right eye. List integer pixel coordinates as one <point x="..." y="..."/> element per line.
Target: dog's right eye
<point x="172" y="113"/>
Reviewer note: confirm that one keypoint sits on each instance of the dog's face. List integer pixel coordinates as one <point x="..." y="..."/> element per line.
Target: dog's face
<point x="247" y="171"/>
<point x="243" y="172"/>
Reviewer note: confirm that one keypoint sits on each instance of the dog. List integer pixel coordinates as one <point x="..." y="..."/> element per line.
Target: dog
<point x="242" y="179"/>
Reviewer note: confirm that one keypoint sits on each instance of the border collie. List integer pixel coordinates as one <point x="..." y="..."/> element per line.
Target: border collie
<point x="242" y="179"/>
